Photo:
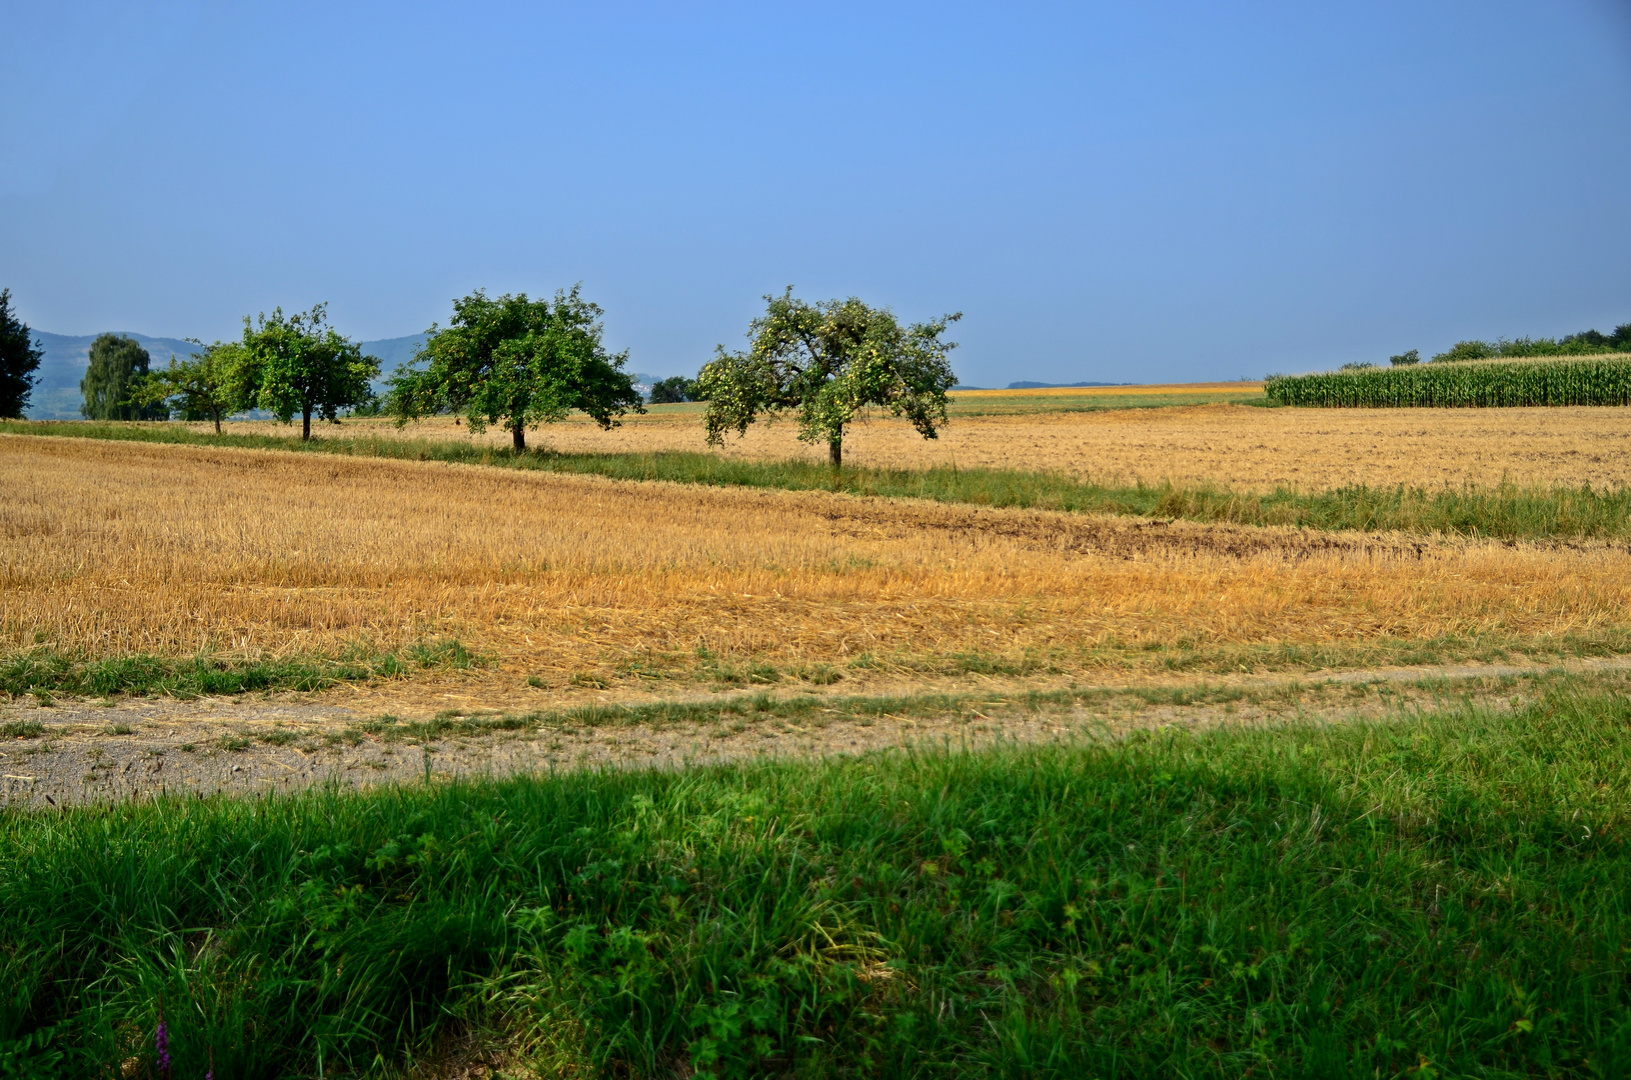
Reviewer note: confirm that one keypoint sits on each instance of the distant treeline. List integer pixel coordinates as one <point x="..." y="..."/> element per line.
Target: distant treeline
<point x="1585" y="343"/>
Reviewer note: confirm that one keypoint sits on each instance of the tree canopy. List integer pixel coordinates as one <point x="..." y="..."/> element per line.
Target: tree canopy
<point x="517" y="363"/>
<point x="18" y="360"/>
<point x="673" y="390"/>
<point x="300" y="364"/>
<point x="200" y="387"/>
<point x="117" y="368"/>
<point x="826" y="363"/>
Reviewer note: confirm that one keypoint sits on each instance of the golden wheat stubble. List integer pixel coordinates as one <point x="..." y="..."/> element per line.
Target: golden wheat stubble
<point x="1238" y="446"/>
<point x="117" y="548"/>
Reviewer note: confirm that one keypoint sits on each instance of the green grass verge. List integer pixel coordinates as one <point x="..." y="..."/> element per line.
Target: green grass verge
<point x="1447" y="895"/>
<point x="1510" y="511"/>
<point x="45" y="671"/>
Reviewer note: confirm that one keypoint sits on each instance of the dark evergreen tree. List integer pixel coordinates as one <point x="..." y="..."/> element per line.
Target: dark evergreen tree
<point x="117" y="369"/>
<point x="18" y="360"/>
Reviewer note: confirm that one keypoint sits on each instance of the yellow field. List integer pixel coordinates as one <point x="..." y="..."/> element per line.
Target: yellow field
<point x="117" y="548"/>
<point x="1239" y="446"/>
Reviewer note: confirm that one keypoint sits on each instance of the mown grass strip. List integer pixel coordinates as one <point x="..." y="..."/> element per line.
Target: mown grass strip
<point x="45" y="671"/>
<point x="1508" y="512"/>
<point x="1448" y="892"/>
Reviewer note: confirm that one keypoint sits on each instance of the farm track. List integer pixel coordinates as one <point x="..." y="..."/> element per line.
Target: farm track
<point x="90" y="752"/>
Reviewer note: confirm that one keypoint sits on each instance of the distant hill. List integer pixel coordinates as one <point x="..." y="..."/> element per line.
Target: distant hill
<point x="393" y="352"/>
<point x="1060" y="385"/>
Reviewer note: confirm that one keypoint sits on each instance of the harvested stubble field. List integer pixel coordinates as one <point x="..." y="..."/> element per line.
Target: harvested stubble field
<point x="1400" y="878"/>
<point x="111" y="549"/>
<point x="1238" y="446"/>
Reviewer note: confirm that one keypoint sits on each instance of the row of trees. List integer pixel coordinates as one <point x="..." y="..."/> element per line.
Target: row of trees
<point x="289" y="365"/>
<point x="516" y="362"/>
<point x="1585" y="343"/>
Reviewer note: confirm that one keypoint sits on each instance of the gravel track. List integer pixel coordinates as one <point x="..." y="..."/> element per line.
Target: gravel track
<point x="81" y="751"/>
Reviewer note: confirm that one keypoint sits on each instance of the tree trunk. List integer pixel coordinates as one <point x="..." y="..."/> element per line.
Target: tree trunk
<point x="217" y="416"/>
<point x="305" y="423"/>
<point x="835" y="452"/>
<point x="519" y="432"/>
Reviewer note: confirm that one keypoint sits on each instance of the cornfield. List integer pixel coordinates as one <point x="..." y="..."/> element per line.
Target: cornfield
<point x="1594" y="380"/>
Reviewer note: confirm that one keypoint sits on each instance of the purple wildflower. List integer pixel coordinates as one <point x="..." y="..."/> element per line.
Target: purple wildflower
<point x="161" y="1041"/>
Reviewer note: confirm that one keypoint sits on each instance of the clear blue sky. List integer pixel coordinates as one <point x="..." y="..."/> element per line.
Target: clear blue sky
<point x="1127" y="192"/>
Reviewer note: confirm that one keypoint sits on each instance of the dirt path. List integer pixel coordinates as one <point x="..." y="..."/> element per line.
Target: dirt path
<point x="88" y="751"/>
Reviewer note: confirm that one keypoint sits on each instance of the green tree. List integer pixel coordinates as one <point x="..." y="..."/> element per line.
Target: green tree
<point x="118" y="366"/>
<point x="18" y="360"/>
<point x="1405" y="359"/>
<point x="1466" y="350"/>
<point x="200" y="387"/>
<point x="673" y="391"/>
<point x="299" y="364"/>
<point x="827" y="362"/>
<point x="516" y="363"/>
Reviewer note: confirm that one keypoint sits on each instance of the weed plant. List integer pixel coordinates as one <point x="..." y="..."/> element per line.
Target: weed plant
<point x="1443" y="895"/>
<point x="1508" y="512"/>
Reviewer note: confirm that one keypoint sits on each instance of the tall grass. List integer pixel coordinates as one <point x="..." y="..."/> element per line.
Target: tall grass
<point x="1598" y="380"/>
<point x="1509" y="511"/>
<point x="1448" y="895"/>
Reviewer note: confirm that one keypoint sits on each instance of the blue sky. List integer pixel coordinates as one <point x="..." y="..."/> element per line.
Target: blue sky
<point x="1126" y="192"/>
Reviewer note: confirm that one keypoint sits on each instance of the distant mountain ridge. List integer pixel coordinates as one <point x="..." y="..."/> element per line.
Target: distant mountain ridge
<point x="1060" y="385"/>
